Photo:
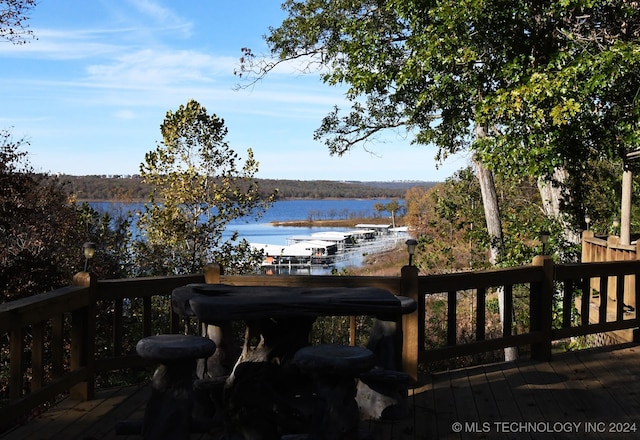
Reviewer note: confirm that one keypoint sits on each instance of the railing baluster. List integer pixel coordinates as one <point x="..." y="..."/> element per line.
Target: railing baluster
<point x="118" y="311"/>
<point x="636" y="294"/>
<point x="620" y="282"/>
<point x="507" y="319"/>
<point x="57" y="351"/>
<point x="604" y="297"/>
<point x="352" y="330"/>
<point x="37" y="358"/>
<point x="481" y="314"/>
<point x="16" y="355"/>
<point x="174" y="321"/>
<point x="567" y="302"/>
<point x="452" y="317"/>
<point x="146" y="316"/>
<point x="585" y="304"/>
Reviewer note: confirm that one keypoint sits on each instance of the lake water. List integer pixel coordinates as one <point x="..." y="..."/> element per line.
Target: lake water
<point x="262" y="231"/>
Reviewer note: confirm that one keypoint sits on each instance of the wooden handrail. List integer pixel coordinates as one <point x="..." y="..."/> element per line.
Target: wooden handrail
<point x="37" y="308"/>
<point x="70" y="311"/>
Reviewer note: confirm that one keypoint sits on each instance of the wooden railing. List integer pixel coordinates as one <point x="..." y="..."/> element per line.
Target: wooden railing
<point x="608" y="249"/>
<point x="51" y="338"/>
<point x="56" y="347"/>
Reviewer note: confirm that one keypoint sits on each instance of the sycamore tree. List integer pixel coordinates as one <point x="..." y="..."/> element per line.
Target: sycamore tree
<point x="199" y="186"/>
<point x="529" y="87"/>
<point x="573" y="103"/>
<point x="532" y="88"/>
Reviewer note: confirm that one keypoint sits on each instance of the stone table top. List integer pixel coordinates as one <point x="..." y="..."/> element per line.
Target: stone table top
<point x="218" y="302"/>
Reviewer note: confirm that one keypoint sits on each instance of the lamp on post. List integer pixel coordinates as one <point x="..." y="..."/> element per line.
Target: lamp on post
<point x="544" y="238"/>
<point x="587" y="220"/>
<point x="616" y="225"/>
<point x="411" y="249"/>
<point x="89" y="250"/>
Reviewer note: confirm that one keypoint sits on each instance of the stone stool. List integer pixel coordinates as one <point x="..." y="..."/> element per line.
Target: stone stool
<point x="334" y="368"/>
<point x="168" y="413"/>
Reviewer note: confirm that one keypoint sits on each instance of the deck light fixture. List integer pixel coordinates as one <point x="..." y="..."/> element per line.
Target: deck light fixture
<point x="587" y="220"/>
<point x="544" y="238"/>
<point x="616" y="225"/>
<point x="411" y="248"/>
<point x="89" y="250"/>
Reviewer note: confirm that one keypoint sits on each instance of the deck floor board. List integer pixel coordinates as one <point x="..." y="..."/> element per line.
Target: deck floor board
<point x="591" y="391"/>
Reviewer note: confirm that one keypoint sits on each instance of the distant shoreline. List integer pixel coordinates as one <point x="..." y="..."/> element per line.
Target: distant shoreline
<point x="349" y="222"/>
<point x="278" y="200"/>
<point x="133" y="190"/>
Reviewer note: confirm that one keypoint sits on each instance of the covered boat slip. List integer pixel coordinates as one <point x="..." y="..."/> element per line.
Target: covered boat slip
<point x="341" y="240"/>
<point x="326" y="248"/>
<point x="353" y="237"/>
<point x="306" y="253"/>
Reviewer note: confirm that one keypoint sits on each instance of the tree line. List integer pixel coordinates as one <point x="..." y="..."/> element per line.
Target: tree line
<point x="133" y="188"/>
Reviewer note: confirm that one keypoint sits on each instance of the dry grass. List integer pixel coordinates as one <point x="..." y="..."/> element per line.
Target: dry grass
<point x="386" y="263"/>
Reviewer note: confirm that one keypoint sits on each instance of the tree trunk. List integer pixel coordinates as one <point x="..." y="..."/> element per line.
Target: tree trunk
<point x="494" y="228"/>
<point x="491" y="209"/>
<point x="551" y="195"/>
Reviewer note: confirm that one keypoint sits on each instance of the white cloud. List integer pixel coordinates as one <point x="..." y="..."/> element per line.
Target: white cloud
<point x="126" y="114"/>
<point x="154" y="67"/>
<point x="163" y="16"/>
<point x="65" y="45"/>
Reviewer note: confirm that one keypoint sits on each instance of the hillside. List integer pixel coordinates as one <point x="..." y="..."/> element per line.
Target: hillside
<point x="131" y="188"/>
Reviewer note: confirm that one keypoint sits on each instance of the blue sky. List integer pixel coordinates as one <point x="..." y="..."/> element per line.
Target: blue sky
<point x="91" y="92"/>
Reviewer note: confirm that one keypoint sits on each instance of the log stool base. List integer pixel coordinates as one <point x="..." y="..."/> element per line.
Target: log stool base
<point x="334" y="368"/>
<point x="209" y="400"/>
<point x="168" y="414"/>
<point x="383" y="394"/>
<point x="385" y="338"/>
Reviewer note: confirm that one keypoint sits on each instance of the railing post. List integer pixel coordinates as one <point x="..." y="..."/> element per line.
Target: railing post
<point x="212" y="273"/>
<point x="412" y="337"/>
<point x="542" y="308"/>
<point x="587" y="248"/>
<point x="625" y="206"/>
<point x="83" y="337"/>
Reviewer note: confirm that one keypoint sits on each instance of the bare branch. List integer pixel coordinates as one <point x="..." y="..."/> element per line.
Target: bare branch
<point x="13" y="20"/>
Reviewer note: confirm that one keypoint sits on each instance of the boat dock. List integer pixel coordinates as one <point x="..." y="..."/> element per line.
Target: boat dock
<point x="325" y="250"/>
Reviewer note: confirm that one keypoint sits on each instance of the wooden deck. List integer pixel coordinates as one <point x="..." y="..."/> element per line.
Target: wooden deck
<point x="592" y="394"/>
